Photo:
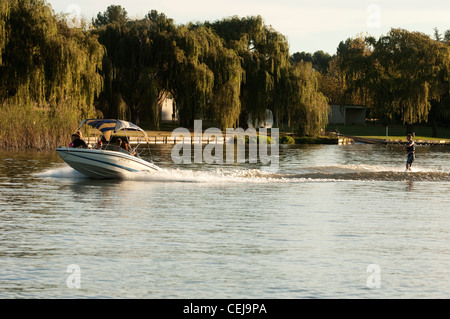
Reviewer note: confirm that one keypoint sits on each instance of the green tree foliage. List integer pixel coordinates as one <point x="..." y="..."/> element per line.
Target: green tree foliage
<point x="129" y="84"/>
<point x="222" y="104"/>
<point x="319" y="59"/>
<point x="353" y="59"/>
<point x="214" y="71"/>
<point x="4" y="16"/>
<point x="151" y="57"/>
<point x="332" y="85"/>
<point x="125" y="68"/>
<point x="46" y="67"/>
<point x="301" y="57"/>
<point x="113" y="14"/>
<point x="272" y="80"/>
<point x="398" y="75"/>
<point x="308" y="108"/>
<point x="264" y="54"/>
<point x="52" y="75"/>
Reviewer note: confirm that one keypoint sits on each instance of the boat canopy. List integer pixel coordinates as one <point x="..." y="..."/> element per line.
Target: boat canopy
<point x="111" y="126"/>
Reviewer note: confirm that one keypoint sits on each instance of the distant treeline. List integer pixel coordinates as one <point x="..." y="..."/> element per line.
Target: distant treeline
<point x="53" y="75"/>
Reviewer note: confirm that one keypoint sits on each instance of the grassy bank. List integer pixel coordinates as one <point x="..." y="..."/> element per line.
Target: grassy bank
<point x="395" y="132"/>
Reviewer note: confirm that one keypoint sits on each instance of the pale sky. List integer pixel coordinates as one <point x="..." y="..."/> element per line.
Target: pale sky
<point x="308" y="25"/>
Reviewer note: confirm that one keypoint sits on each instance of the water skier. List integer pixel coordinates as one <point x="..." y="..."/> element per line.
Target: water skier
<point x="411" y="151"/>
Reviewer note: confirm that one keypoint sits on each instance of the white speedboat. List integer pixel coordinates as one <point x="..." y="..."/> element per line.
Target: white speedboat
<point x="106" y="159"/>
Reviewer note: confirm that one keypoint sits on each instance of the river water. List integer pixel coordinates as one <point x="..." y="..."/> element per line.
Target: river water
<point x="335" y="221"/>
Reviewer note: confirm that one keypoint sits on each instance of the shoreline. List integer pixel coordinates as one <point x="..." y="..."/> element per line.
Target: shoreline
<point x="421" y="141"/>
<point x="164" y="136"/>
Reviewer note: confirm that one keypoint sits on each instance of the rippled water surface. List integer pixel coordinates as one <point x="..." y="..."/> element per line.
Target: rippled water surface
<point x="309" y="230"/>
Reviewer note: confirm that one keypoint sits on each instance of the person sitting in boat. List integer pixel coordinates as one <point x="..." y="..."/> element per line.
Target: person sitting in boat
<point x="129" y="148"/>
<point x="77" y="141"/>
<point x="119" y="143"/>
<point x="118" y="147"/>
<point x="99" y="144"/>
<point x="125" y="146"/>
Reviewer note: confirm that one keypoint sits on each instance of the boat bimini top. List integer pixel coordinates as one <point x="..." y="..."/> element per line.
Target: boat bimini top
<point x="110" y="127"/>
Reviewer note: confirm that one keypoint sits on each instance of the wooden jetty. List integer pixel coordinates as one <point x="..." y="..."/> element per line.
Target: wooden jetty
<point x="172" y="140"/>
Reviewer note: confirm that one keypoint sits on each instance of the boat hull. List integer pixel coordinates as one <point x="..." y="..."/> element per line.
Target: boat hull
<point x="103" y="164"/>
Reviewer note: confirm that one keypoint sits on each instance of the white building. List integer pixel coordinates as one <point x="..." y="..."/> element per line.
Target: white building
<point x="168" y="111"/>
<point x="267" y="123"/>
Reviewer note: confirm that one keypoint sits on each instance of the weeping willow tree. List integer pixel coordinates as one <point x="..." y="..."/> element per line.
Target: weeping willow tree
<point x="203" y="76"/>
<point x="398" y="74"/>
<point x="149" y="58"/>
<point x="214" y="71"/>
<point x="195" y="81"/>
<point x="353" y="71"/>
<point x="308" y="108"/>
<point x="130" y="90"/>
<point x="223" y="105"/>
<point x="49" y="76"/>
<point x="409" y="64"/>
<point x="4" y="15"/>
<point x="274" y="51"/>
<point x="226" y="102"/>
<point x="251" y="39"/>
<point x="270" y="81"/>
